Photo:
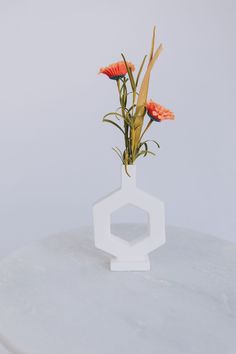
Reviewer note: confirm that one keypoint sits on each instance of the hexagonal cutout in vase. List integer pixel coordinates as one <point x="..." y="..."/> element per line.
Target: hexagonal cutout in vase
<point x="130" y="223"/>
<point x="132" y="255"/>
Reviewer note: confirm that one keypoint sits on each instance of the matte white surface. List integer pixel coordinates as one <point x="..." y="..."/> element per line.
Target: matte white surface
<point x="55" y="154"/>
<point x="59" y="297"/>
<point x="129" y="255"/>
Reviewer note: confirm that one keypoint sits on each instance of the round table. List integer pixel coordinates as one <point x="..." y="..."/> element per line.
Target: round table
<point x="58" y="296"/>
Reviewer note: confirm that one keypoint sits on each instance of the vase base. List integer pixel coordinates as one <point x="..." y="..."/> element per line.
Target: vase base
<point x="127" y="266"/>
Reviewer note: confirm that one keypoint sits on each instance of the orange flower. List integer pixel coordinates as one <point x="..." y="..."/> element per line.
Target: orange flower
<point x="117" y="70"/>
<point x="157" y="112"/>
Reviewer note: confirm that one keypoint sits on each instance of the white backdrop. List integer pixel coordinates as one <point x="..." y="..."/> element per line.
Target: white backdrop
<point x="55" y="154"/>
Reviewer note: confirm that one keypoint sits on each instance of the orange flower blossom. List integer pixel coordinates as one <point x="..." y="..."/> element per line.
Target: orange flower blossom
<point x="157" y="112"/>
<point x="117" y="70"/>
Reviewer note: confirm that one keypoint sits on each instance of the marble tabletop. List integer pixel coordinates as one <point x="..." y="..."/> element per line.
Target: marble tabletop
<point x="57" y="296"/>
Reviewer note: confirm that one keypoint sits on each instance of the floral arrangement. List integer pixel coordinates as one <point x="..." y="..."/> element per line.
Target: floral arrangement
<point x="134" y="106"/>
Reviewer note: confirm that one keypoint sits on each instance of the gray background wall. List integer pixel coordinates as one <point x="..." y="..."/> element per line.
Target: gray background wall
<point x="55" y="154"/>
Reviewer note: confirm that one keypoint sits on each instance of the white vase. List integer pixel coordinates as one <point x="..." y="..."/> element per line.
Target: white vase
<point x="129" y="256"/>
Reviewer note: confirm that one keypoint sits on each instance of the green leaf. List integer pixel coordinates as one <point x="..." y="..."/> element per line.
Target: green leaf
<point x="113" y="114"/>
<point x="146" y="148"/>
<point x="130" y="74"/>
<point x="140" y="70"/>
<point x="151" y="141"/>
<point x="130" y="109"/>
<point x="131" y="93"/>
<point x="123" y="96"/>
<point x="118" y="152"/>
<point x="145" y="152"/>
<point x="120" y="108"/>
<point x="129" y="121"/>
<point x="126" y="119"/>
<point x="115" y="124"/>
<point x="126" y="162"/>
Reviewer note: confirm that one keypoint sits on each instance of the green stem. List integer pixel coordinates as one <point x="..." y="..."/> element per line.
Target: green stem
<point x="147" y="127"/>
<point x="135" y="152"/>
<point x="118" y="85"/>
<point x="126" y="127"/>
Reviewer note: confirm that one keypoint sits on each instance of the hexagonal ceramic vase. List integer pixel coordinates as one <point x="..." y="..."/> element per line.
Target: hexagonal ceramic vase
<point x="129" y="256"/>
